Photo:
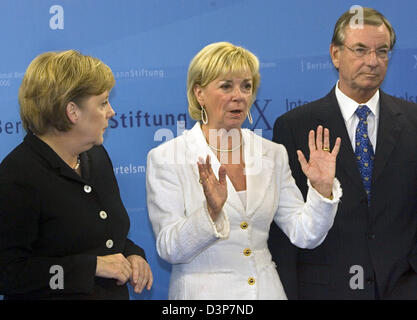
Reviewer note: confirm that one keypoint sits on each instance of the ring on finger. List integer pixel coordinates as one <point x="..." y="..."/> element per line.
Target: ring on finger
<point x="326" y="149"/>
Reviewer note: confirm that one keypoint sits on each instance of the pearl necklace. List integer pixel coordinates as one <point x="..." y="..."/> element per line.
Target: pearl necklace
<point x="225" y="150"/>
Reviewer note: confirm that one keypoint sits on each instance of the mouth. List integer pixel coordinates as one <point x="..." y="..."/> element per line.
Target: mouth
<point x="236" y="112"/>
<point x="371" y="75"/>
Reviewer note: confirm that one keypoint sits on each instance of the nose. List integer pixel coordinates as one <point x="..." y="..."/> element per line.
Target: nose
<point x="372" y="58"/>
<point x="237" y="94"/>
<point x="111" y="112"/>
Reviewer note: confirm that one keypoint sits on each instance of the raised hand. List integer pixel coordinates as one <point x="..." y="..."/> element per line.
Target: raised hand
<point x="214" y="190"/>
<point x="321" y="167"/>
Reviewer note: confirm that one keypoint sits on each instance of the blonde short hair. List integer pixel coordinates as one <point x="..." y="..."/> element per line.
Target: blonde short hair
<point x="52" y="80"/>
<point x="215" y="60"/>
<point x="370" y="17"/>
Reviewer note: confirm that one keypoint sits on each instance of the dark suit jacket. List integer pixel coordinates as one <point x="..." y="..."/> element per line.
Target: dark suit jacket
<point x="50" y="216"/>
<point x="381" y="238"/>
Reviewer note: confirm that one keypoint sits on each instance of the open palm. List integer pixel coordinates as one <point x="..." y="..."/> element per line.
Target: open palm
<point x="321" y="167"/>
<point x="214" y="190"/>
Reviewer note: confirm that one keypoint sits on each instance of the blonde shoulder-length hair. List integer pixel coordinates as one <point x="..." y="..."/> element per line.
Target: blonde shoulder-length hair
<point x="215" y="60"/>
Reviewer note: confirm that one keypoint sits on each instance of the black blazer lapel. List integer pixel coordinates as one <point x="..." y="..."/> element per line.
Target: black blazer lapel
<point x="389" y="129"/>
<point x="331" y="117"/>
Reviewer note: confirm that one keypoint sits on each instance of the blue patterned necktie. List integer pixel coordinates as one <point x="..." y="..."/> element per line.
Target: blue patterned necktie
<point x="364" y="151"/>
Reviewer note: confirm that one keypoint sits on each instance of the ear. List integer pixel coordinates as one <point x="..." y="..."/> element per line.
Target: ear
<point x="72" y="112"/>
<point x="199" y="94"/>
<point x="334" y="54"/>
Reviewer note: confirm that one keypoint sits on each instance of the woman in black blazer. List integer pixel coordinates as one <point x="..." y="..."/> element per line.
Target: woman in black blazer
<point x="63" y="226"/>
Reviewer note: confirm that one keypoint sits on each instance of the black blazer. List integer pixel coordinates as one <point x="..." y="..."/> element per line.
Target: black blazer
<point x="380" y="239"/>
<point x="50" y="216"/>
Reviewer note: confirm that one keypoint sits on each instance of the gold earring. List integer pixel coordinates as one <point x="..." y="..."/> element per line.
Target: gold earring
<point x="204" y="116"/>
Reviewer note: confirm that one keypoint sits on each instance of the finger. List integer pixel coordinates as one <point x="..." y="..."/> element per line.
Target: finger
<point x="222" y="174"/>
<point x="128" y="268"/>
<point x="143" y="277"/>
<point x="150" y="282"/>
<point x="336" y="147"/>
<point x="135" y="272"/>
<point x="148" y="276"/>
<point x="311" y="142"/>
<point x="208" y="167"/>
<point x="126" y="273"/>
<point x="326" y="140"/>
<point x="205" y="163"/>
<point x="144" y="280"/>
<point x="202" y="172"/>
<point x="301" y="159"/>
<point x="319" y="138"/>
<point x="122" y="277"/>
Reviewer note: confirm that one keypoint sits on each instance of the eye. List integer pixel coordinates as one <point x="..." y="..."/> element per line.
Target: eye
<point x="360" y="51"/>
<point x="382" y="52"/>
<point x="248" y="86"/>
<point x="226" y="86"/>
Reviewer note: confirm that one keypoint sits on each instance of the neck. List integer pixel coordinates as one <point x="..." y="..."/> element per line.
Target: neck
<point x="63" y="147"/>
<point x="223" y="140"/>
<point x="359" y="95"/>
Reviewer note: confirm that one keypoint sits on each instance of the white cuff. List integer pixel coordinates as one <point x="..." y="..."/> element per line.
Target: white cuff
<point x="221" y="227"/>
<point x="336" y="192"/>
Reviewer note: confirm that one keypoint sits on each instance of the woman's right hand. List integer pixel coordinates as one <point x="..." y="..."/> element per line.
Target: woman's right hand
<point x="214" y="190"/>
<point x="114" y="266"/>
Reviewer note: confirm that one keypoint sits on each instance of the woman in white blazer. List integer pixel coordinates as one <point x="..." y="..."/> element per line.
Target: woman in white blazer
<point x="213" y="192"/>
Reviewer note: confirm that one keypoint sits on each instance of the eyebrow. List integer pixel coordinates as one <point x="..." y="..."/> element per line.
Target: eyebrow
<point x="227" y="80"/>
<point x="360" y="44"/>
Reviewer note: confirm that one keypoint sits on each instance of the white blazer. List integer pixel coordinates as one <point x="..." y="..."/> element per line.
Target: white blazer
<point x="229" y="259"/>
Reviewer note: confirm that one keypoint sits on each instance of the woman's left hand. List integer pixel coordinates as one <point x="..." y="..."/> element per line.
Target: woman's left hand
<point x="141" y="273"/>
<point x="321" y="167"/>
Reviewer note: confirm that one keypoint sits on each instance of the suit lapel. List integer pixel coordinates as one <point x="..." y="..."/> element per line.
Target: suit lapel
<point x="259" y="169"/>
<point x="330" y="116"/>
<point x="389" y="129"/>
<point x="197" y="147"/>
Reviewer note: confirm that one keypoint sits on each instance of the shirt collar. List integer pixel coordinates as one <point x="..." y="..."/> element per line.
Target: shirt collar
<point x="348" y="106"/>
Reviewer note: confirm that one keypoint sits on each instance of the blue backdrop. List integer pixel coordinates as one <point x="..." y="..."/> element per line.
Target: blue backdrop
<point x="149" y="44"/>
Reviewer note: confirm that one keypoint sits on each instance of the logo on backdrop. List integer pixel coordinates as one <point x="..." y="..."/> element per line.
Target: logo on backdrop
<point x="291" y="104"/>
<point x="261" y="114"/>
<point x="138" y="119"/>
<point x="307" y="66"/>
<point x="57" y="20"/>
<point x="10" y="127"/>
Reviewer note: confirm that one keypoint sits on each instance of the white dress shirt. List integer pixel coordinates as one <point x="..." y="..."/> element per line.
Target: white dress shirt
<point x="348" y="107"/>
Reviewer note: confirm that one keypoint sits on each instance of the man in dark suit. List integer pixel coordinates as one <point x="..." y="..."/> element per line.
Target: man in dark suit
<point x="370" y="252"/>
